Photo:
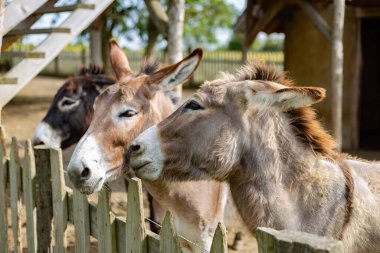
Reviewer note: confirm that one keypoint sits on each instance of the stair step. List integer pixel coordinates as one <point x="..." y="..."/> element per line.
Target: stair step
<point x="64" y="8"/>
<point x="38" y="31"/>
<point x="8" y="80"/>
<point x="28" y="54"/>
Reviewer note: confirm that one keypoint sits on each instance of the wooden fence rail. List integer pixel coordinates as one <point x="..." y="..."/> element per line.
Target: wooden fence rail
<point x="49" y="207"/>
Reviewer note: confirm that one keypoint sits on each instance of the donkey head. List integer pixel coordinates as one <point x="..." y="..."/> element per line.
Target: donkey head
<point x="208" y="135"/>
<point x="134" y="103"/>
<point x="71" y="111"/>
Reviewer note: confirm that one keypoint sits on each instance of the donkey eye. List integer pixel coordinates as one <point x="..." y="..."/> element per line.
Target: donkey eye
<point x="193" y="105"/>
<point x="67" y="102"/>
<point x="127" y="114"/>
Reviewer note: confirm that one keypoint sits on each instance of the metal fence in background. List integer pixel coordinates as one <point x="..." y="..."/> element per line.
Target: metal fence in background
<point x="68" y="63"/>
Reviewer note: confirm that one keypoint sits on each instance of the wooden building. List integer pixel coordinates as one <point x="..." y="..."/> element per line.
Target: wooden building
<point x="308" y="25"/>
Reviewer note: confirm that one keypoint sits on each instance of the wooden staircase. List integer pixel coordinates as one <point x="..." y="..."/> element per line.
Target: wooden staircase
<point x="19" y="17"/>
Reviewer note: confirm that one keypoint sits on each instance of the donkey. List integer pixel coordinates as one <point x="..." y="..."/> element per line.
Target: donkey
<point x="71" y="111"/>
<point x="256" y="131"/>
<point x="124" y="110"/>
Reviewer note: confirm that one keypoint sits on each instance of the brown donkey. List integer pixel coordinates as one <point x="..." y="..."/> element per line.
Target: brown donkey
<point x="122" y="112"/>
<point x="258" y="133"/>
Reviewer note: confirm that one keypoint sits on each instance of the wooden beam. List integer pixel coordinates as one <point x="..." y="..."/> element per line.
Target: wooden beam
<point x="8" y="80"/>
<point x="264" y="21"/>
<point x="52" y="45"/>
<point x="39" y="31"/>
<point x="271" y="241"/>
<point x="64" y="8"/>
<point x="27" y="23"/>
<point x="21" y="54"/>
<point x="317" y="19"/>
<point x="337" y="70"/>
<point x="356" y="69"/>
<point x="19" y="10"/>
<point x="367" y="12"/>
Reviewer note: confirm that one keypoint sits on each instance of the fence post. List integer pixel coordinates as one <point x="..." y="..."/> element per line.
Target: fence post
<point x="43" y="198"/>
<point x="219" y="242"/>
<point x="106" y="230"/>
<point x="3" y="196"/>
<point x="28" y="179"/>
<point x="59" y="200"/>
<point x="273" y="241"/>
<point x="81" y="222"/>
<point x="169" y="239"/>
<point x="135" y="228"/>
<point x="14" y="185"/>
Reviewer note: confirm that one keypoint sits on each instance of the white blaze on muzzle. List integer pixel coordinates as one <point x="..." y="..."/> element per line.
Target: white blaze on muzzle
<point x="146" y="157"/>
<point x="87" y="156"/>
<point x="45" y="134"/>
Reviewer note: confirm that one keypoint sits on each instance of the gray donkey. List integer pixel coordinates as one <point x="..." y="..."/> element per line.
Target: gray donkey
<point x="259" y="133"/>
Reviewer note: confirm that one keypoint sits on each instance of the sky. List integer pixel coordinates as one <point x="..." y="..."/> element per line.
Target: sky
<point x="223" y="36"/>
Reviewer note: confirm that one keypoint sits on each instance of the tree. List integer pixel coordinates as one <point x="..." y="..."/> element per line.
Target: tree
<point x="199" y="28"/>
<point x="175" y="35"/>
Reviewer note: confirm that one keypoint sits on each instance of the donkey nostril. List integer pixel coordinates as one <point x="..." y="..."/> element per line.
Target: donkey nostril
<point x="86" y="174"/>
<point x="135" y="148"/>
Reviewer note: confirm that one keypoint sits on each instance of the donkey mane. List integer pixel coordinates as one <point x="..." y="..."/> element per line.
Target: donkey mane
<point x="148" y="67"/>
<point x="303" y="120"/>
<point x="93" y="69"/>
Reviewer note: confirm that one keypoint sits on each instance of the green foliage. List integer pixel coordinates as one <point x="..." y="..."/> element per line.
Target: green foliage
<point x="204" y="19"/>
<point x="273" y="44"/>
<point x="236" y="43"/>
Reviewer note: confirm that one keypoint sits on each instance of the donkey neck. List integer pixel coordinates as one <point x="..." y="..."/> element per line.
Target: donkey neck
<point x="280" y="182"/>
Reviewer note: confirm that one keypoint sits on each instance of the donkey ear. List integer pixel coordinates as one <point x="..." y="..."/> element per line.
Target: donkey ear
<point x="173" y="75"/>
<point x="118" y="60"/>
<point x="293" y="97"/>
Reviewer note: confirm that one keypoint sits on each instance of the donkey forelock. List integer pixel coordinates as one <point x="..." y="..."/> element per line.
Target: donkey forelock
<point x="303" y="120"/>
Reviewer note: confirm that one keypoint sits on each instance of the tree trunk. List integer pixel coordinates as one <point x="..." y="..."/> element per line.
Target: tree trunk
<point x="337" y="70"/>
<point x="158" y="16"/>
<point x="106" y="36"/>
<point x="96" y="46"/>
<point x="2" y="9"/>
<point x="152" y="39"/>
<point x="175" y="34"/>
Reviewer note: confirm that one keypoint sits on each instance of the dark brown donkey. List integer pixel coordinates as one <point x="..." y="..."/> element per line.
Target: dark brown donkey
<point x="71" y="111"/>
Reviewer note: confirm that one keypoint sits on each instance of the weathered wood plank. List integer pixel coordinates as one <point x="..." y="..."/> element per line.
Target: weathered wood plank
<point x="43" y="198"/>
<point x="135" y="229"/>
<point x="39" y="31"/>
<point x="106" y="240"/>
<point x="8" y="80"/>
<point x="273" y="241"/>
<point x="3" y="195"/>
<point x="18" y="10"/>
<point x="23" y="54"/>
<point x="337" y="71"/>
<point x="28" y="179"/>
<point x="14" y="185"/>
<point x="219" y="242"/>
<point x="81" y="222"/>
<point x="64" y="8"/>
<point x="59" y="200"/>
<point x="319" y="22"/>
<point x="120" y="227"/>
<point x="169" y="238"/>
<point x="153" y="242"/>
<point x="52" y="45"/>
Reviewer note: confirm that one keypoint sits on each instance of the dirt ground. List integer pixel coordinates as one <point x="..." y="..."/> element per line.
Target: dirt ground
<point x="21" y="116"/>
